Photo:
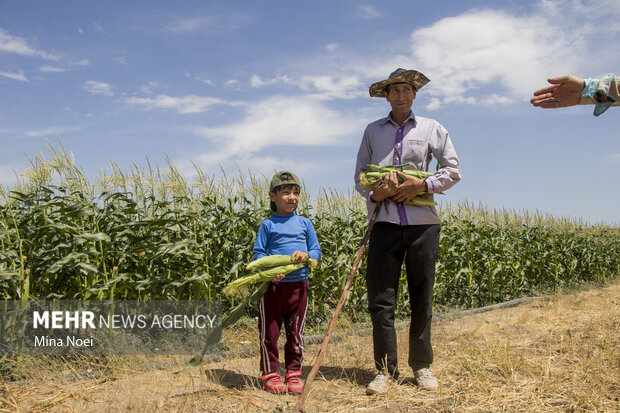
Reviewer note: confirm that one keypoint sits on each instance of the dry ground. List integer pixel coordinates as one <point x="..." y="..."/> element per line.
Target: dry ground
<point x="557" y="354"/>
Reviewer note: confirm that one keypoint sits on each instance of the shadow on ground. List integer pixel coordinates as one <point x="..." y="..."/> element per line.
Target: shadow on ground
<point x="235" y="380"/>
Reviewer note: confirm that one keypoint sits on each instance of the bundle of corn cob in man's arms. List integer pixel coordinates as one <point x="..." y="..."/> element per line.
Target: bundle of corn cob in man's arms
<point x="369" y="176"/>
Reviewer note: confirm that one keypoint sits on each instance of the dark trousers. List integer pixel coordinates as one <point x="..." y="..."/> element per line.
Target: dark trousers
<point x="283" y="302"/>
<point x="389" y="246"/>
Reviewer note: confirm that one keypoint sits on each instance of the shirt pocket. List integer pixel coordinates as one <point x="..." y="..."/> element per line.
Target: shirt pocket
<point x="415" y="152"/>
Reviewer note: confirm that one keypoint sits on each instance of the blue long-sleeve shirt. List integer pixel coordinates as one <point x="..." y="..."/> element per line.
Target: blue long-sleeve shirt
<point x="285" y="234"/>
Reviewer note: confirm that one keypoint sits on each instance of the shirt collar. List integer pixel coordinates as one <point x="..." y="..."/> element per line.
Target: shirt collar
<point x="283" y="216"/>
<point x="410" y="117"/>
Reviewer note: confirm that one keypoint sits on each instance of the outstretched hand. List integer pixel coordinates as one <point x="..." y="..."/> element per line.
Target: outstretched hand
<point x="564" y="91"/>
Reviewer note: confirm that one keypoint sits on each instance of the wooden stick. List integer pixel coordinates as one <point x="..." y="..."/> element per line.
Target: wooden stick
<point x="332" y="324"/>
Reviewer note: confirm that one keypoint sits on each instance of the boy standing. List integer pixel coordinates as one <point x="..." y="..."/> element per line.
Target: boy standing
<point x="286" y="299"/>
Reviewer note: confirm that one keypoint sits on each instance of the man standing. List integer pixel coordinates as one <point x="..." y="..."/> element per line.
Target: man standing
<point x="403" y="232"/>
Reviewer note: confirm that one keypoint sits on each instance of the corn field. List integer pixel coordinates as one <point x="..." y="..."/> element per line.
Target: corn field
<point x="150" y="234"/>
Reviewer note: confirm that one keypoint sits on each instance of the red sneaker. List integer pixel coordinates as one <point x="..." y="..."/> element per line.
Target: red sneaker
<point x="273" y="383"/>
<point x="293" y="382"/>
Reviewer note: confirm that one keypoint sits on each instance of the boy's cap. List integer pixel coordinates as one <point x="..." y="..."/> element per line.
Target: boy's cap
<point x="284" y="178"/>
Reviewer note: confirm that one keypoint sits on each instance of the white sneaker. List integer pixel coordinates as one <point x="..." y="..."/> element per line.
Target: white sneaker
<point x="426" y="379"/>
<point x="379" y="384"/>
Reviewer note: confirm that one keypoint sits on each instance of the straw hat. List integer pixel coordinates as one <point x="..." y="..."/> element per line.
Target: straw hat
<point x="413" y="77"/>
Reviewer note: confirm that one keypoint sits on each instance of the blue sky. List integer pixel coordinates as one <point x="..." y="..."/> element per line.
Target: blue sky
<point x="271" y="85"/>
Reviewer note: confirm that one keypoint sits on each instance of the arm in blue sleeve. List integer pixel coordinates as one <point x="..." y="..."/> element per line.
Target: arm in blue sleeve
<point x="262" y="241"/>
<point x="603" y="92"/>
<point x="314" y="251"/>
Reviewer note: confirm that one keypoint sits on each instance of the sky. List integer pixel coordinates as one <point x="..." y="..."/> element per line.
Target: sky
<point x="260" y="86"/>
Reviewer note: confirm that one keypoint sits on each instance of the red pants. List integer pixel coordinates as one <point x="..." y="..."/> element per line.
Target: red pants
<point x="283" y="302"/>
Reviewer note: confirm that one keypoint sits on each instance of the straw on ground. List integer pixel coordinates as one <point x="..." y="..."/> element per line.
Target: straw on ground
<point x="555" y="355"/>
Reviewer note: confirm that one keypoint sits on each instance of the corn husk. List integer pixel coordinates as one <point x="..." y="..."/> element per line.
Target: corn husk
<point x="239" y="287"/>
<point x="369" y="176"/>
<point x="269" y="261"/>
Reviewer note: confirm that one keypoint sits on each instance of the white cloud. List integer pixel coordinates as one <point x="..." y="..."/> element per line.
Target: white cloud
<point x="185" y="104"/>
<point x="495" y="99"/>
<point x="258" y="166"/>
<point x="603" y="14"/>
<point x="15" y="76"/>
<point x="64" y="66"/>
<point x="488" y="57"/>
<point x="189" y="24"/>
<point x="83" y="62"/>
<point x="323" y="87"/>
<point x="368" y="12"/>
<point x="268" y="164"/>
<point x="229" y="21"/>
<point x="98" y="88"/>
<point x="201" y="79"/>
<point x="51" y="69"/>
<point x="492" y="49"/>
<point x="492" y="99"/>
<point x="148" y="89"/>
<point x="256" y="81"/>
<point x="277" y="121"/>
<point x="52" y="131"/>
<point x="234" y="83"/>
<point x="15" y="44"/>
<point x="20" y="46"/>
<point x="434" y="104"/>
<point x="330" y="87"/>
<point x="331" y="47"/>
